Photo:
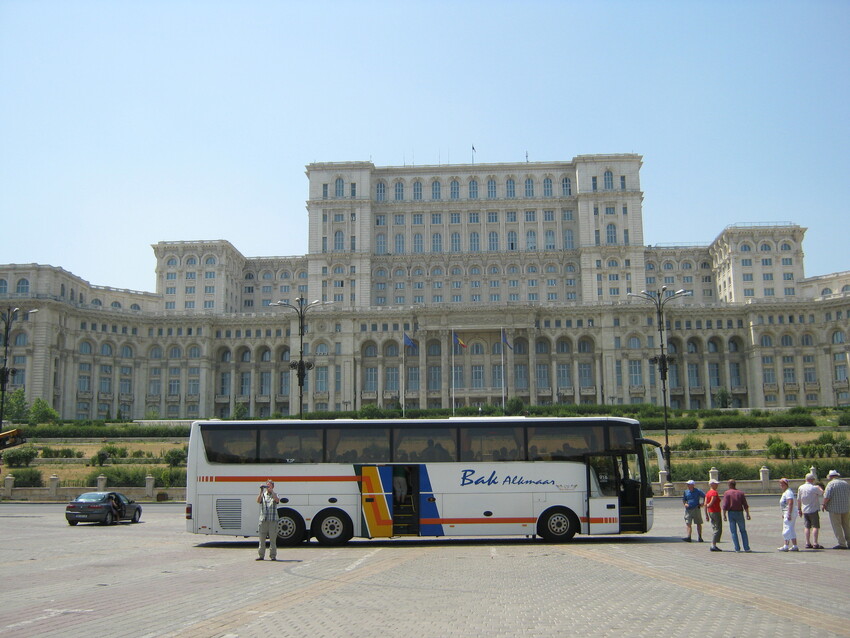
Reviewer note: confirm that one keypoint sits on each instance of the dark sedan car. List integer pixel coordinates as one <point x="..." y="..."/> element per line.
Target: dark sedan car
<point x="102" y="507"/>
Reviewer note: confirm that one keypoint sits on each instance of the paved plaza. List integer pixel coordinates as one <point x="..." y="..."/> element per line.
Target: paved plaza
<point x="154" y="579"/>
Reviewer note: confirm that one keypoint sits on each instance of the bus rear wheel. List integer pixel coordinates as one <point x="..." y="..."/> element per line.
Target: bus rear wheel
<point x="557" y="525"/>
<point x="333" y="527"/>
<point x="290" y="528"/>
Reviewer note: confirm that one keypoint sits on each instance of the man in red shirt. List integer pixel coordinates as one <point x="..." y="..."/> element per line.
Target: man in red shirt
<point x="712" y="513"/>
<point x="735" y="506"/>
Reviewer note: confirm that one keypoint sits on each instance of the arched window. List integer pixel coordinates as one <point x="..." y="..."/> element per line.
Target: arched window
<point x="246" y="356"/>
<point x="826" y="291"/>
<point x="712" y="345"/>
<point x="106" y="350"/>
<point x="391" y="350"/>
<point x="339" y="240"/>
<point x="745" y="248"/>
<point x="787" y="341"/>
<point x="585" y="345"/>
<point x="733" y="345"/>
<point x="126" y="352"/>
<point x="380" y="191"/>
<point x="531" y="240"/>
<point x="491" y="189"/>
<point x="156" y="353"/>
<point x="765" y="248"/>
<point x="613" y="263"/>
<point x="634" y="343"/>
<point x="529" y="187"/>
<point x="547" y="187"/>
<point x="23" y="286"/>
<point x="512" y="240"/>
<point x="563" y="346"/>
<point x="194" y="352"/>
<point x="541" y="346"/>
<point x="473" y="189"/>
<point x="611" y="234"/>
<point x="550" y="240"/>
<point x="370" y="350"/>
<point x="454" y="245"/>
<point x="838" y="337"/>
<point x="398" y="244"/>
<point x="434" y="349"/>
<point x="399" y="191"/>
<point x="339" y="187"/>
<point x="693" y="346"/>
<point x="785" y="246"/>
<point x="807" y="340"/>
<point x="510" y="188"/>
<point x="569" y="241"/>
<point x="380" y="244"/>
<point x="417" y="191"/>
<point x="175" y="352"/>
<point x="210" y="261"/>
<point x="608" y="181"/>
<point x="454" y="189"/>
<point x="266" y="354"/>
<point x="493" y="241"/>
<point x="435" y="190"/>
<point x="476" y="348"/>
<point x="85" y="347"/>
<point x="566" y="187"/>
<point x="766" y="341"/>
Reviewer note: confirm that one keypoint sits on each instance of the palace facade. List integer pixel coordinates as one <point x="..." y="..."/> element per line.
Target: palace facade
<point x="438" y="286"/>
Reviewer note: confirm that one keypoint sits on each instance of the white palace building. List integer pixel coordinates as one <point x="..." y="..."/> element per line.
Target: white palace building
<point x="410" y="260"/>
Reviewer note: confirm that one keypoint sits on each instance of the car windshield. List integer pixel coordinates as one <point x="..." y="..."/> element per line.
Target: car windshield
<point x="92" y="497"/>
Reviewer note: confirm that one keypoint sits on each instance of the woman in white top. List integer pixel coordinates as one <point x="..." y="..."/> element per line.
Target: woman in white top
<point x="789" y="517"/>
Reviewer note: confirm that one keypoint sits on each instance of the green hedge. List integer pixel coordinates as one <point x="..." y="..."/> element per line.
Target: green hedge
<point x="134" y="476"/>
<point x="113" y="431"/>
<point x="27" y="477"/>
<point x="797" y="469"/>
<point x="747" y="422"/>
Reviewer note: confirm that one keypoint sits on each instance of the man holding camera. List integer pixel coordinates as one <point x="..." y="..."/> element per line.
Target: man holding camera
<point x="268" y="501"/>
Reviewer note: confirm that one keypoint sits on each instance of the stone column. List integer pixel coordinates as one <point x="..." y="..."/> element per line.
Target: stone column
<point x="713" y="474"/>
<point x="149" y="486"/>
<point x="53" y="487"/>
<point x="764" y="474"/>
<point x="8" y="485"/>
<point x="101" y="483"/>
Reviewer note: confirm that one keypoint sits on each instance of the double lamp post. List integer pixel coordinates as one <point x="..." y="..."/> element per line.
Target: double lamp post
<point x="301" y="306"/>
<point x="660" y="299"/>
<point x="6" y="373"/>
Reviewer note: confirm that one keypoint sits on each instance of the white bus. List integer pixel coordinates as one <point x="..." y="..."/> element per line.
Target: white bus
<point x="550" y="477"/>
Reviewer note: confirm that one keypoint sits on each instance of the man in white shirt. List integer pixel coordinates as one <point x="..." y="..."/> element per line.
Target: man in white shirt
<point x="808" y="502"/>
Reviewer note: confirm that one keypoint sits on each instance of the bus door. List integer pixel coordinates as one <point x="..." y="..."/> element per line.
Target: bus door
<point x="602" y="514"/>
<point x="376" y="500"/>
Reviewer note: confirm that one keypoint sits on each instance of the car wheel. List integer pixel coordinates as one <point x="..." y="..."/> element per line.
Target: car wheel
<point x="557" y="525"/>
<point x="290" y="528"/>
<point x="72" y="522"/>
<point x="108" y="519"/>
<point x="332" y="527"/>
<point x="137" y="516"/>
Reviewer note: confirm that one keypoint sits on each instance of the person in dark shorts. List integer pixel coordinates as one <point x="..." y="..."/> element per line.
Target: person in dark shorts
<point x="693" y="500"/>
<point x="809" y="495"/>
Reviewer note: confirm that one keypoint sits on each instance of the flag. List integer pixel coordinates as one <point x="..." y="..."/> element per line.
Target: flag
<point x="473" y="148"/>
<point x="505" y="339"/>
<point x="408" y="342"/>
<point x="457" y="340"/>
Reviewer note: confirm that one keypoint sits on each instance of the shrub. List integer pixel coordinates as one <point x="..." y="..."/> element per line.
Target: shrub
<point x="115" y="452"/>
<point x="721" y="446"/>
<point x="134" y="476"/>
<point x="174" y="457"/>
<point x="693" y="442"/>
<point x="20" y="456"/>
<point x="28" y="477"/>
<point x="743" y="445"/>
<point x="99" y="458"/>
<point x="779" y="449"/>
<point x="41" y="412"/>
<point x="844" y="418"/>
<point x="62" y="453"/>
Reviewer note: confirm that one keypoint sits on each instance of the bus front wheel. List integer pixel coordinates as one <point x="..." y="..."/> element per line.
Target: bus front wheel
<point x="290" y="528"/>
<point x="557" y="525"/>
<point x="333" y="527"/>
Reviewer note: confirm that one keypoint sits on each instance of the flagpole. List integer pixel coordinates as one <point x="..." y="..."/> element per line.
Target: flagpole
<point x="502" y="349"/>
<point x="452" y="372"/>
<point x="403" y="373"/>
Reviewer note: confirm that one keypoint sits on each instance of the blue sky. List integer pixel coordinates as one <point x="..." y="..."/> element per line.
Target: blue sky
<point x="127" y="123"/>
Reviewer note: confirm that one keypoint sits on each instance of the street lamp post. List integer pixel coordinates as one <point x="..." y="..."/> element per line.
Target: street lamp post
<point x="6" y="372"/>
<point x="300" y="307"/>
<point x="660" y="299"/>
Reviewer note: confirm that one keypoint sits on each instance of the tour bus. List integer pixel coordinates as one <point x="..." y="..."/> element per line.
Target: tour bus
<point x="547" y="477"/>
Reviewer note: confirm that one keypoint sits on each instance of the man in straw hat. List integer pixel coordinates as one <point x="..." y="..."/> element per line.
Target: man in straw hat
<point x="836" y="501"/>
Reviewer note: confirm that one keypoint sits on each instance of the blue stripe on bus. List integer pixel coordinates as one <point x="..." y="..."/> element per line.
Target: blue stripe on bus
<point x="428" y="508"/>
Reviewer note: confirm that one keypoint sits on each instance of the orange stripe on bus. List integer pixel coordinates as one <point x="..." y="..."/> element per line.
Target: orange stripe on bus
<point x="599" y="520"/>
<point x="473" y="521"/>
<point x="281" y="479"/>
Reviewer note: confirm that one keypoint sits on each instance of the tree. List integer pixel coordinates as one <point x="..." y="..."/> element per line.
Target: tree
<point x="723" y="399"/>
<point x="240" y="411"/>
<point x="41" y="412"/>
<point x="16" y="406"/>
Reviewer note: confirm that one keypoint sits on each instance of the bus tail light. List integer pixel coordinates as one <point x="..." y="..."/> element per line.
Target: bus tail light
<point x="188" y="511"/>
